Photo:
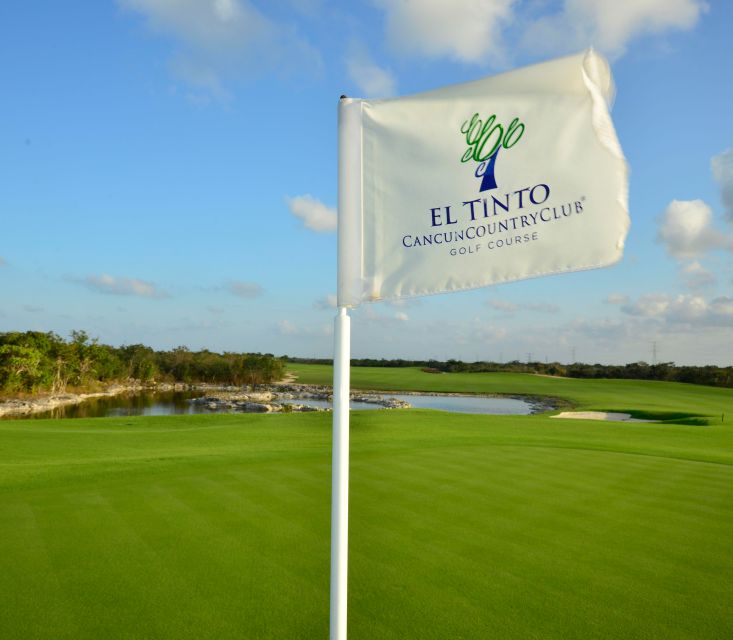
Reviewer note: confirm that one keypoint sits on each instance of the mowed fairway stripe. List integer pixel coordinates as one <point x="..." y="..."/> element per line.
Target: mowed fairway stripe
<point x="34" y="602"/>
<point x="461" y="527"/>
<point x="201" y="547"/>
<point x="176" y="557"/>
<point x="583" y="541"/>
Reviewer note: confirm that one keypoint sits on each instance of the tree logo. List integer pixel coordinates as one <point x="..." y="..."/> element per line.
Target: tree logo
<point x="485" y="138"/>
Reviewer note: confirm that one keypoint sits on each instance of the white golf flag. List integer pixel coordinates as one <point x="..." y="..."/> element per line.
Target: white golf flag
<point x="509" y="177"/>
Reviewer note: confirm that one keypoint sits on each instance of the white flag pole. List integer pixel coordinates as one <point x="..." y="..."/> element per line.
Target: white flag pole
<point x="349" y="264"/>
<point x="340" y="474"/>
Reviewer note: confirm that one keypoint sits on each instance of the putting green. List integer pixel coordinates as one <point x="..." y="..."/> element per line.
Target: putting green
<point x="462" y="526"/>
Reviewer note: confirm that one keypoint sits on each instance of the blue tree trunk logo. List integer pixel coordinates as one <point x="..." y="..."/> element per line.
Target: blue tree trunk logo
<point x="485" y="138"/>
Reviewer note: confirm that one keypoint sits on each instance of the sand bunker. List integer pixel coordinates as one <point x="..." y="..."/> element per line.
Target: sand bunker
<point x="598" y="415"/>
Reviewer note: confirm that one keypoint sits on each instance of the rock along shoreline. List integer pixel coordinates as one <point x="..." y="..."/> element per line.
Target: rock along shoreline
<point x="279" y="397"/>
<point x="263" y="398"/>
<point x="283" y="398"/>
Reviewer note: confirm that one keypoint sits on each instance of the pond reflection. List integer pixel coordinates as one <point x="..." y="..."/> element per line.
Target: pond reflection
<point x="162" y="403"/>
<point x="166" y="403"/>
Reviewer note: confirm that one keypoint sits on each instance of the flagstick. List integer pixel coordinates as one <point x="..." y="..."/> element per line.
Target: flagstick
<point x="340" y="474"/>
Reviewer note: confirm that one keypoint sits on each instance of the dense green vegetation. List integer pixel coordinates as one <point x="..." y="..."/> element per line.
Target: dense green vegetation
<point x="33" y="361"/>
<point x="462" y="526"/>
<point x="663" y="371"/>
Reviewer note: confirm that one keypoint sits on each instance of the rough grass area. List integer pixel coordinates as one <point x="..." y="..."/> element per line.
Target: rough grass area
<point x="462" y="526"/>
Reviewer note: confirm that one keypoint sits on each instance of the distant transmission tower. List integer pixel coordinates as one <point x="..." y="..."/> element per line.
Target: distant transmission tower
<point x="654" y="353"/>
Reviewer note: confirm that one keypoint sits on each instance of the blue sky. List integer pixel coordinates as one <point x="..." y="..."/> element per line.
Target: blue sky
<point x="169" y="174"/>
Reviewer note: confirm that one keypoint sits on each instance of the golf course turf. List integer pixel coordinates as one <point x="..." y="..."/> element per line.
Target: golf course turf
<point x="461" y="526"/>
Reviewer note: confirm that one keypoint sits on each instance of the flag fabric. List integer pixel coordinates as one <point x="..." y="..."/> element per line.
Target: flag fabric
<point x="509" y="177"/>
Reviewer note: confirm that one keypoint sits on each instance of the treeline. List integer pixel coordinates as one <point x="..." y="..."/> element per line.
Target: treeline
<point x="663" y="371"/>
<point x="34" y="361"/>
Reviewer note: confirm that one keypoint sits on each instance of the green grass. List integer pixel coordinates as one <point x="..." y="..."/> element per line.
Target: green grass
<point x="462" y="526"/>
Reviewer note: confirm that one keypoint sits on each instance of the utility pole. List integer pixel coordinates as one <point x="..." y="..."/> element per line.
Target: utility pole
<point x="654" y="353"/>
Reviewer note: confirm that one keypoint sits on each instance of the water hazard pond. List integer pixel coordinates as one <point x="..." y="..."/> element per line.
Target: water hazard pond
<point x="179" y="403"/>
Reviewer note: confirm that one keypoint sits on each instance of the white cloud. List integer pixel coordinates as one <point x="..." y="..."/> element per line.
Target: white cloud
<point x="370" y="314"/>
<point x="723" y="306"/>
<point x="476" y="331"/>
<point x="326" y="302"/>
<point x="649" y="305"/>
<point x="216" y="38"/>
<point x="617" y="298"/>
<point x="722" y="167"/>
<point x="687" y="232"/>
<point x="287" y="328"/>
<point x="684" y="309"/>
<point x="245" y="289"/>
<point x="542" y="307"/>
<point x="695" y="276"/>
<point x="403" y="303"/>
<point x="464" y="30"/>
<point x="372" y="80"/>
<point x="605" y="331"/>
<point x="506" y="306"/>
<point x="123" y="286"/>
<point x="610" y="26"/>
<point x="314" y="214"/>
<point x="31" y="308"/>
<point x="212" y="25"/>
<point x="503" y="305"/>
<point x="205" y="79"/>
